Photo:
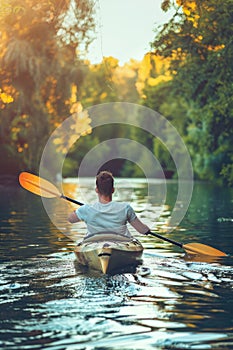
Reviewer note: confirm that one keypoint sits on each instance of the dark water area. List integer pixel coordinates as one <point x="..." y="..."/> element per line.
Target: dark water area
<point x="48" y="302"/>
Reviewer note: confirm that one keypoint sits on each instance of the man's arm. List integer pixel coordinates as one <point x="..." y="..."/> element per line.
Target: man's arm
<point x="139" y="226"/>
<point x="72" y="218"/>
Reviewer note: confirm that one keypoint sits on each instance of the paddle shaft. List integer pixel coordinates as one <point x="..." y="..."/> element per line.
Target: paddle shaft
<point x="46" y="189"/>
<point x="149" y="232"/>
<point x="187" y="247"/>
<point x="165" y="239"/>
<point x="71" y="200"/>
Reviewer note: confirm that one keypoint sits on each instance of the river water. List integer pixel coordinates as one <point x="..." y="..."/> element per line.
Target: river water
<point x="48" y="302"/>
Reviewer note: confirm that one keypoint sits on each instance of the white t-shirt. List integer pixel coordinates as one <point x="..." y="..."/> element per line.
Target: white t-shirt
<point x="109" y="217"/>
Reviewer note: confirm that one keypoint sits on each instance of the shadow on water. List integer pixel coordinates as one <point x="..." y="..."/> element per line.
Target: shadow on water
<point x="47" y="302"/>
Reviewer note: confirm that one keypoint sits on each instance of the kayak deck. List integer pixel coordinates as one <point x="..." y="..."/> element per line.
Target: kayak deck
<point x="109" y="253"/>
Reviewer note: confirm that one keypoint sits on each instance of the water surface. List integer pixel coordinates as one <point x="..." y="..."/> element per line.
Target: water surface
<point x="48" y="302"/>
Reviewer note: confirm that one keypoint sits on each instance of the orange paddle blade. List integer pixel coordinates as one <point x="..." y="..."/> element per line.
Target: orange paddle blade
<point x="38" y="186"/>
<point x="199" y="248"/>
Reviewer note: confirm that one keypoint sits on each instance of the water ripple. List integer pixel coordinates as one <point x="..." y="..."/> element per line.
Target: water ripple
<point x="48" y="302"/>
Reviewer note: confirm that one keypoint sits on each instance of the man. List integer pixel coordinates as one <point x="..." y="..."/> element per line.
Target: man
<point x="107" y="215"/>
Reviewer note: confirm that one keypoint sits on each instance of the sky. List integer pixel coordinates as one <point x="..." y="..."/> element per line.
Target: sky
<point x="125" y="28"/>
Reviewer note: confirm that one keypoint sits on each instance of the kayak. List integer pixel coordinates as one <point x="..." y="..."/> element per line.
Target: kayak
<point x="109" y="253"/>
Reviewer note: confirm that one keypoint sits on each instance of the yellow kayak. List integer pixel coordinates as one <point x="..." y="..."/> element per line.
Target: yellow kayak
<point x="109" y="253"/>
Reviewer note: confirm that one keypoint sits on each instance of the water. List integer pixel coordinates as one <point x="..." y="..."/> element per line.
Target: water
<point x="47" y="302"/>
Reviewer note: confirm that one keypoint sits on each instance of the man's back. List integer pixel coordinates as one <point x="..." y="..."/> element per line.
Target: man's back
<point x="107" y="217"/>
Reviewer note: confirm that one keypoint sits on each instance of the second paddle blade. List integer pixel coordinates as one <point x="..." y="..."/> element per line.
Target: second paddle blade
<point x="38" y="186"/>
<point x="199" y="248"/>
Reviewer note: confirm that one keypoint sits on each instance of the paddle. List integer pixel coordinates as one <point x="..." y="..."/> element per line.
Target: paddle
<point x="44" y="188"/>
<point x="193" y="248"/>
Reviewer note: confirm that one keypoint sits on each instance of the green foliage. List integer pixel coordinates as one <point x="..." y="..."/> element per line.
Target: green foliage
<point x="199" y="102"/>
<point x="39" y="64"/>
<point x="227" y="172"/>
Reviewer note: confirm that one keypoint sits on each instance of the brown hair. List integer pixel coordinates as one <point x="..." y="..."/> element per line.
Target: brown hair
<point x="105" y="183"/>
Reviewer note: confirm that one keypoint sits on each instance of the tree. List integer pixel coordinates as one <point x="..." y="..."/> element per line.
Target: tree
<point x="198" y="42"/>
<point x="39" y="64"/>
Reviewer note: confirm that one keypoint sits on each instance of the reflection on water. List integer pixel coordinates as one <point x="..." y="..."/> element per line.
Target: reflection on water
<point x="48" y="302"/>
